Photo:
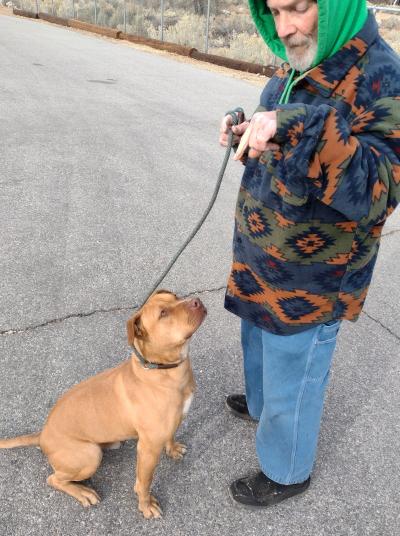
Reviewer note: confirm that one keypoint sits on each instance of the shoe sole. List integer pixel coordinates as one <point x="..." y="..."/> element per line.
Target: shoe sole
<point x="244" y="416"/>
<point x="254" y="507"/>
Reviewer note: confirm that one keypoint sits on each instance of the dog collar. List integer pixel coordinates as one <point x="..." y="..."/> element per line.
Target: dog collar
<point x="150" y="364"/>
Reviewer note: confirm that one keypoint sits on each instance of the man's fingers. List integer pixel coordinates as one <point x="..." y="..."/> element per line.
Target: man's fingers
<point x="241" y="128"/>
<point x="257" y="137"/>
<point x="226" y="124"/>
<point x="223" y="140"/>
<point x="254" y="154"/>
<point x="256" y="148"/>
<point x="244" y="142"/>
<point x="272" y="147"/>
<point x="224" y="128"/>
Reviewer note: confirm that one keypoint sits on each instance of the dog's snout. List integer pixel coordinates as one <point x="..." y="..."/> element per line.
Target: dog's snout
<point x="195" y="303"/>
<point x="197" y="306"/>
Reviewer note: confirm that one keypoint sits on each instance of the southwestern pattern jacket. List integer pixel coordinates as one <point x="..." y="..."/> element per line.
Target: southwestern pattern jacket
<point x="309" y="216"/>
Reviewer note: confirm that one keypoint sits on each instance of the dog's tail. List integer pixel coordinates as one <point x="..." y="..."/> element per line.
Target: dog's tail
<point x="21" y="441"/>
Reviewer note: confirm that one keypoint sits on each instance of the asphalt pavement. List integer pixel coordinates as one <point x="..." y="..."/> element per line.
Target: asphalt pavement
<point x="109" y="155"/>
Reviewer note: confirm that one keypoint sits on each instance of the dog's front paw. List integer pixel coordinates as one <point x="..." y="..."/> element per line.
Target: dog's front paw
<point x="150" y="508"/>
<point x="176" y="450"/>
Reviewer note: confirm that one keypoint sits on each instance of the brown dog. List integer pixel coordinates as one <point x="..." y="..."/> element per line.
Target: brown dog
<point x="133" y="400"/>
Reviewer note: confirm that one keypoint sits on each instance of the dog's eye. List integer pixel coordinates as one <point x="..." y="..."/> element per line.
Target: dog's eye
<point x="163" y="313"/>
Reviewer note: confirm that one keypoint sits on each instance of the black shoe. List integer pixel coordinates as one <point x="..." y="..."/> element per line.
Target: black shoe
<point x="259" y="491"/>
<point x="238" y="406"/>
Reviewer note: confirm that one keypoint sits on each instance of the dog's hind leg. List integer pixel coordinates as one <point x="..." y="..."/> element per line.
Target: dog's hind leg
<point x="73" y="465"/>
<point x="85" y="495"/>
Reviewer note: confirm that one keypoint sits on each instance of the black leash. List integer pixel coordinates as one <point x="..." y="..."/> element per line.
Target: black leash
<point x="237" y="117"/>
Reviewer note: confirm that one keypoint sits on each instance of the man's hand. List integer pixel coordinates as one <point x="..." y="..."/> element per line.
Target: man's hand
<point x="257" y="135"/>
<point x="226" y="126"/>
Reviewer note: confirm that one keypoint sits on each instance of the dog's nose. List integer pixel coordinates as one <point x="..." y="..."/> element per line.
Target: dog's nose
<point x="195" y="303"/>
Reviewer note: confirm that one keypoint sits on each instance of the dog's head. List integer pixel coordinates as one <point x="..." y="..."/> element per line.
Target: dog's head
<point x="165" y="323"/>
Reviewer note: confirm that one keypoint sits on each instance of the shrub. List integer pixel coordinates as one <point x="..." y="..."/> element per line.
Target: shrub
<point x="226" y="25"/>
<point x="189" y="30"/>
<point x="232" y="31"/>
<point x="390" y="23"/>
<point x="247" y="48"/>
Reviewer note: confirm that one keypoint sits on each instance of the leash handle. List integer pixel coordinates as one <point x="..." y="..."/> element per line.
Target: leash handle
<point x="237" y="117"/>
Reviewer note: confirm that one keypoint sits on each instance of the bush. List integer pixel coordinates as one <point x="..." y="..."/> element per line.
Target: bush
<point x="225" y="25"/>
<point x="232" y="30"/>
<point x="189" y="30"/>
<point x="390" y="23"/>
<point x="247" y="48"/>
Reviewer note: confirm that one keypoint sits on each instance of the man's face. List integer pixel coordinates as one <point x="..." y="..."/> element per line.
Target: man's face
<point x="296" y="22"/>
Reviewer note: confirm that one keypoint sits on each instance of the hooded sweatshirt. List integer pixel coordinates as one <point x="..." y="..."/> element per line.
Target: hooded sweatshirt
<point x="338" y="22"/>
<point x="309" y="216"/>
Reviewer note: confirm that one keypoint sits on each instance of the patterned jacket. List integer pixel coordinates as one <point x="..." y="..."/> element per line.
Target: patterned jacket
<point x="309" y="216"/>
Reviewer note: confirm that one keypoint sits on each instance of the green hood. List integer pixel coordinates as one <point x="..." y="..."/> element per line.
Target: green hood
<point x="338" y="22"/>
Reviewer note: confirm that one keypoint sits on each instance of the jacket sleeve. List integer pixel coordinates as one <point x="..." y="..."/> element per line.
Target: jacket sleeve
<point x="352" y="167"/>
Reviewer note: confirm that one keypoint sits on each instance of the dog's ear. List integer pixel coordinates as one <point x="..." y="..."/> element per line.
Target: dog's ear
<point x="134" y="328"/>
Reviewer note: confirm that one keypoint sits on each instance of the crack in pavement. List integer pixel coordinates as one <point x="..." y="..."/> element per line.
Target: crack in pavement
<point x="390" y="233"/>
<point x="382" y="325"/>
<point x="15" y="331"/>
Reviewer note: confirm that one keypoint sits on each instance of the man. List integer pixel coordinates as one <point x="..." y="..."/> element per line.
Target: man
<point x="322" y="175"/>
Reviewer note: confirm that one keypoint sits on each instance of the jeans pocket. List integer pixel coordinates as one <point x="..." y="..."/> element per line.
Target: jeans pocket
<point x="328" y="332"/>
<point x="322" y="352"/>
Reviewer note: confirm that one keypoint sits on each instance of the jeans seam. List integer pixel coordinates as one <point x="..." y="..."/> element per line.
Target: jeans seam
<point x="317" y="380"/>
<point x="298" y="405"/>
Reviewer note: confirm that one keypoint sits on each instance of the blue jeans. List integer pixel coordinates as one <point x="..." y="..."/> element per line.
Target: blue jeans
<point x="286" y="378"/>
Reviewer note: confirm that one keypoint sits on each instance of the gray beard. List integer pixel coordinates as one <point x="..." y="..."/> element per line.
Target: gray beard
<point x="304" y="61"/>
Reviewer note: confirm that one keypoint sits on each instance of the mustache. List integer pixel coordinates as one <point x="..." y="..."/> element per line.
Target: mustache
<point x="297" y="41"/>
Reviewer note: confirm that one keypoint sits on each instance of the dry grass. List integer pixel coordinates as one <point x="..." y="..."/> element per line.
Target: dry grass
<point x="246" y="47"/>
<point x="188" y="30"/>
<point x="232" y="31"/>
<point x="389" y="26"/>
